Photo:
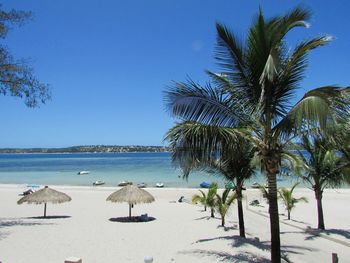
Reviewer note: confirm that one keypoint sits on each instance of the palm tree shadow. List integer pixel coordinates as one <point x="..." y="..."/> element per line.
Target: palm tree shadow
<point x="9" y="222"/>
<point x="340" y="232"/>
<point x="3" y="235"/>
<point x="227" y="257"/>
<point x="297" y="221"/>
<point x="13" y="222"/>
<point x="228" y="228"/>
<point x="314" y="233"/>
<point x="203" y="217"/>
<point x="238" y="241"/>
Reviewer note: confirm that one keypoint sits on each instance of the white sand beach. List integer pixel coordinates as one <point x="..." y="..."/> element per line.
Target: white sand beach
<point x="181" y="232"/>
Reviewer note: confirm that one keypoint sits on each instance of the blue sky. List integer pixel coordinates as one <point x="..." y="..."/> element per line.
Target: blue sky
<point x="108" y="62"/>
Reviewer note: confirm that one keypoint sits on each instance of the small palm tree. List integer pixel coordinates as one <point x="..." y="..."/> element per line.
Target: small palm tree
<point x="208" y="200"/>
<point x="288" y="199"/>
<point x="200" y="198"/>
<point x="223" y="203"/>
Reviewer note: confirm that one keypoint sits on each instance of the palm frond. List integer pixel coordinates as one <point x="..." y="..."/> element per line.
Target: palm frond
<point x="326" y="166"/>
<point x="230" y="55"/>
<point x="190" y="101"/>
<point x="201" y="147"/>
<point x="319" y="107"/>
<point x="292" y="162"/>
<point x="281" y="25"/>
<point x="294" y="66"/>
<point x="199" y="198"/>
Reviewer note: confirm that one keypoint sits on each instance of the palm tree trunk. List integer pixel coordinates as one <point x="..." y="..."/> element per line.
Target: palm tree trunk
<point x="288" y="214"/>
<point x="318" y="194"/>
<point x="212" y="212"/>
<point x="272" y="168"/>
<point x="129" y="211"/>
<point x="222" y="220"/>
<point x="240" y="209"/>
<point x="271" y="160"/>
<point x="205" y="208"/>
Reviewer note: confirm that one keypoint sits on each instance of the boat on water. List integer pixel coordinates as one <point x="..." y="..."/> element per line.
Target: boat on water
<point x="255" y="185"/>
<point x="142" y="185"/>
<point x="124" y="183"/>
<point x="33" y="186"/>
<point x="159" y="185"/>
<point x="98" y="182"/>
<point x="83" y="172"/>
<point x="204" y="185"/>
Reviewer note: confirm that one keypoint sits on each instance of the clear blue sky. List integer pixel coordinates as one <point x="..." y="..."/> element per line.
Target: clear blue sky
<point x="107" y="63"/>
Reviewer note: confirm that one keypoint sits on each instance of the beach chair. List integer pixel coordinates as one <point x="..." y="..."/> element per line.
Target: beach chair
<point x="144" y="218"/>
<point x="27" y="192"/>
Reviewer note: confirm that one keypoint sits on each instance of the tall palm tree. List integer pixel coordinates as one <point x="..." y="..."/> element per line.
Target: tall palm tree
<point x="327" y="165"/>
<point x="289" y="201"/>
<point x="199" y="146"/>
<point x="224" y="202"/>
<point x="258" y="79"/>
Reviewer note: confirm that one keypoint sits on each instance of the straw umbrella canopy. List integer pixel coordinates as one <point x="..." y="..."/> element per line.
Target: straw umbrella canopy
<point x="131" y="194"/>
<point x="45" y="195"/>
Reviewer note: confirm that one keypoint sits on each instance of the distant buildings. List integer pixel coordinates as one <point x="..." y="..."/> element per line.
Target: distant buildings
<point x="89" y="149"/>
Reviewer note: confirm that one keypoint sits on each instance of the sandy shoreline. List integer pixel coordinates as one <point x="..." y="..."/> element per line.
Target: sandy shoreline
<point x="181" y="232"/>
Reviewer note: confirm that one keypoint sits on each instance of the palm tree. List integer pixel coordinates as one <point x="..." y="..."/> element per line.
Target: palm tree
<point x="202" y="199"/>
<point x="254" y="90"/>
<point x="208" y="200"/>
<point x="288" y="199"/>
<point x="224" y="202"/>
<point x="198" y="146"/>
<point x="327" y="166"/>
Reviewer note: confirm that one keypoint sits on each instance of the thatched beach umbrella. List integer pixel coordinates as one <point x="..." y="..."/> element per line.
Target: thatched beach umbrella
<point x="45" y="195"/>
<point x="131" y="194"/>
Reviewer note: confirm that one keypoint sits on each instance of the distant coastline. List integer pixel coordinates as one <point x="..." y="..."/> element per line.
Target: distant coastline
<point x="89" y="149"/>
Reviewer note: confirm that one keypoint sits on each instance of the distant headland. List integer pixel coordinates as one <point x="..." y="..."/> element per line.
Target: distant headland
<point x="89" y="149"/>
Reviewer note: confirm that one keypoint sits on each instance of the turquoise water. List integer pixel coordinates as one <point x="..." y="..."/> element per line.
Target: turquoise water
<point x="62" y="169"/>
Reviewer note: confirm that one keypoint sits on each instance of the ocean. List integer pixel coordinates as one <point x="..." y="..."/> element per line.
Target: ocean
<point x="112" y="168"/>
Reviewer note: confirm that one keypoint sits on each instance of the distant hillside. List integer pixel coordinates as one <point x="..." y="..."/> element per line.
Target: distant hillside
<point x="88" y="149"/>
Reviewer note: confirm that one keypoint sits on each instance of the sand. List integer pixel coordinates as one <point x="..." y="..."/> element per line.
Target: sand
<point x="181" y="232"/>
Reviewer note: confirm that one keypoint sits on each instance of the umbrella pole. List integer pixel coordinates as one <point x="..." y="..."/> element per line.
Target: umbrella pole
<point x="129" y="211"/>
<point x="45" y="210"/>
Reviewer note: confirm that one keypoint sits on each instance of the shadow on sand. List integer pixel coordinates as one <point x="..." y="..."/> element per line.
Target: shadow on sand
<point x="3" y="235"/>
<point x="227" y="257"/>
<point x="6" y="223"/>
<point x="9" y="222"/>
<point x="47" y="217"/>
<point x="238" y="241"/>
<point x="340" y="232"/>
<point x="203" y="217"/>
<point x="133" y="219"/>
<point x="314" y="233"/>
